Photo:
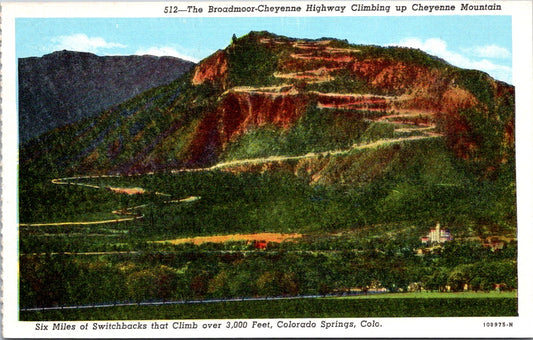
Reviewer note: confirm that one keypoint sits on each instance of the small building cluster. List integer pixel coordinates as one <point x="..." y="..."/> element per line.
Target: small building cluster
<point x="437" y="235"/>
<point x="260" y="244"/>
<point x="493" y="243"/>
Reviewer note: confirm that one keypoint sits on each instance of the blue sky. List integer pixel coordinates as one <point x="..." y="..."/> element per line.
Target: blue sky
<point x="474" y="42"/>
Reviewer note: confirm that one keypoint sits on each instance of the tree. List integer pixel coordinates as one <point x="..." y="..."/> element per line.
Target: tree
<point x="218" y="286"/>
<point x="460" y="277"/>
<point x="289" y="284"/>
<point x="166" y="282"/>
<point x="268" y="284"/>
<point x="437" y="280"/>
<point x="140" y="285"/>
<point x="199" y="284"/>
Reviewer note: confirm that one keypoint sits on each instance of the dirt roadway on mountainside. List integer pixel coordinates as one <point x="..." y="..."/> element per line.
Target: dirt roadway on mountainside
<point x="72" y="180"/>
<point x="68" y="181"/>
<point x="80" y="223"/>
<point x="125" y="211"/>
<point x="311" y="154"/>
<point x="267" y="237"/>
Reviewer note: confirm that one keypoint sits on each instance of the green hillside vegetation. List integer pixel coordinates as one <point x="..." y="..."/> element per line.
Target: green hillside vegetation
<point x="418" y="182"/>
<point x="250" y="63"/>
<point x="343" y="82"/>
<point x="318" y="130"/>
<point x="404" y="54"/>
<point x="158" y="123"/>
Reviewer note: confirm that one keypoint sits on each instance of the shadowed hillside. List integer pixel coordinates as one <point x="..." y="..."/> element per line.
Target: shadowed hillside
<point x="64" y="87"/>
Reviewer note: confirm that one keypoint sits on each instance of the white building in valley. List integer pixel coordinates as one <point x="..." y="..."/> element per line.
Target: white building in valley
<point x="437" y="235"/>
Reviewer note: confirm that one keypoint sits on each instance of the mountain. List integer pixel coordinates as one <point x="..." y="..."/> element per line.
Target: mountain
<point x="64" y="87"/>
<point x="333" y="111"/>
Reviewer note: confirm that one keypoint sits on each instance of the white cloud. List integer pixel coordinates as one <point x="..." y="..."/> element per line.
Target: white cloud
<point x="163" y="51"/>
<point x="439" y="48"/>
<point x="490" y="51"/>
<point x="83" y="43"/>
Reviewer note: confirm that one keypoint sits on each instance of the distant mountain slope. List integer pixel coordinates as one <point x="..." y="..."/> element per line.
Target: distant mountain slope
<point x="63" y="87"/>
<point x="272" y="96"/>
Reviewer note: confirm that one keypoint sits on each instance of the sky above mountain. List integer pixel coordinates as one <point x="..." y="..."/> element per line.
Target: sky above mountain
<point x="473" y="42"/>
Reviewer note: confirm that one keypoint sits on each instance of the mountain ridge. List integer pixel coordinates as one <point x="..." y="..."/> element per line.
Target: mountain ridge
<point x="64" y="87"/>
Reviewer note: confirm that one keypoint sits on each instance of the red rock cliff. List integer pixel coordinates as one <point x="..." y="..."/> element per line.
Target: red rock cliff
<point x="212" y="70"/>
<point x="239" y="111"/>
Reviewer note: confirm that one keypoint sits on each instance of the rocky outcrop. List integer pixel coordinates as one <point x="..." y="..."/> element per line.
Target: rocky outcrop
<point x="212" y="70"/>
<point x="240" y="111"/>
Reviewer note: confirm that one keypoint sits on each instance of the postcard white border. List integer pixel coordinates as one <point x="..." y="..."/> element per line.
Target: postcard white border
<point x="521" y="12"/>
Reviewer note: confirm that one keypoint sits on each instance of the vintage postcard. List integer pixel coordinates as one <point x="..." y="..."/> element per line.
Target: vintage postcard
<point x="267" y="169"/>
